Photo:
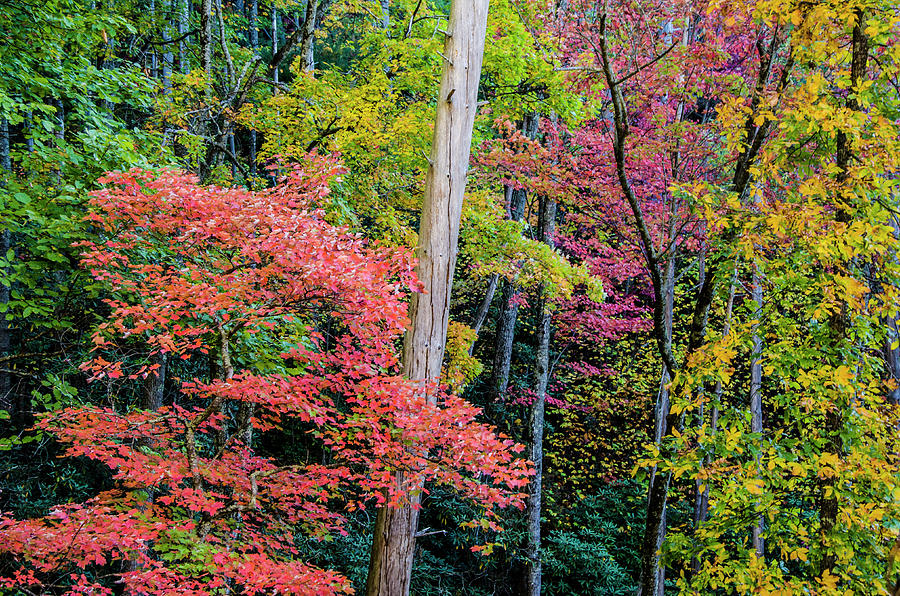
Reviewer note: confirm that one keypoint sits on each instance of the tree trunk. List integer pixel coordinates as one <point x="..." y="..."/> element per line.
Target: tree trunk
<point x="275" y="41"/>
<point x="509" y="310"/>
<point x="252" y="31"/>
<point x="839" y="322"/>
<point x="206" y="44"/>
<point x="661" y="411"/>
<point x="701" y="501"/>
<point x="6" y="398"/>
<point x="155" y="383"/>
<point x="393" y="542"/>
<point x="385" y="14"/>
<point x="482" y="312"/>
<point x="756" y="414"/>
<point x="547" y="221"/>
<point x="168" y="60"/>
<point x="184" y="64"/>
<point x="307" y="45"/>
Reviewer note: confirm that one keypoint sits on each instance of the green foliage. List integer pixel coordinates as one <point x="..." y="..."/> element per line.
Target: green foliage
<point x="593" y="551"/>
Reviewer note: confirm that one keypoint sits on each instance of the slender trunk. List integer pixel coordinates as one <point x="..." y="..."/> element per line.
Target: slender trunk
<point x="547" y="220"/>
<point x="168" y="60"/>
<point x="660" y="414"/>
<point x="393" y="542"/>
<point x="206" y="44"/>
<point x="839" y="322"/>
<point x="60" y="134"/>
<point x="184" y="64"/>
<point x="509" y="308"/>
<point x="275" y="41"/>
<point x="154" y="56"/>
<point x="483" y="309"/>
<point x="756" y="413"/>
<point x="385" y="14"/>
<point x="890" y="351"/>
<point x="661" y="411"/>
<point x="701" y="501"/>
<point x="6" y="397"/>
<point x="253" y="31"/>
<point x="506" y="325"/>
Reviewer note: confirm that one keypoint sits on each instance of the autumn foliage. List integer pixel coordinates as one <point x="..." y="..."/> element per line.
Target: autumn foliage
<point x="206" y="273"/>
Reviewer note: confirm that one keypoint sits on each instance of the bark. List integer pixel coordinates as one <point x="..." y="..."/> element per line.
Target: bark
<point x="168" y="60"/>
<point x="6" y="397"/>
<point x="756" y="412"/>
<point x="393" y="542"/>
<point x="206" y="43"/>
<point x="485" y="306"/>
<point x="183" y="23"/>
<point x="155" y="383"/>
<point x="661" y="411"/>
<point x="253" y="31"/>
<point x="154" y="56"/>
<point x="385" y="14"/>
<point x="307" y="45"/>
<point x="509" y="310"/>
<point x="547" y="222"/>
<point x="60" y="134"/>
<point x="275" y="42"/>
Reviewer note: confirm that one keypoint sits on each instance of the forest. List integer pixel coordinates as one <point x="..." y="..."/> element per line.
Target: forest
<point x="450" y="297"/>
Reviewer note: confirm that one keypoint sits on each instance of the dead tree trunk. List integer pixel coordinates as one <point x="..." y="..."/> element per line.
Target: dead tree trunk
<point x="394" y="537"/>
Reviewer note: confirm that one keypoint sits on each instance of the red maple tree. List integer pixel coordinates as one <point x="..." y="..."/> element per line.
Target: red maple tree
<point x="213" y="273"/>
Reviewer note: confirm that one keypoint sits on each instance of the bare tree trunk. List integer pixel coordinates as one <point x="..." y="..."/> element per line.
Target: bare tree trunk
<point x="154" y="55"/>
<point x="547" y="221"/>
<point x="661" y="411"/>
<point x="890" y="351"/>
<point x="393" y="542"/>
<point x="891" y="356"/>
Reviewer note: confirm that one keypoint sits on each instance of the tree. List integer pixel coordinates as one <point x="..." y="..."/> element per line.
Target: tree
<point x="423" y="347"/>
<point x="214" y="273"/>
